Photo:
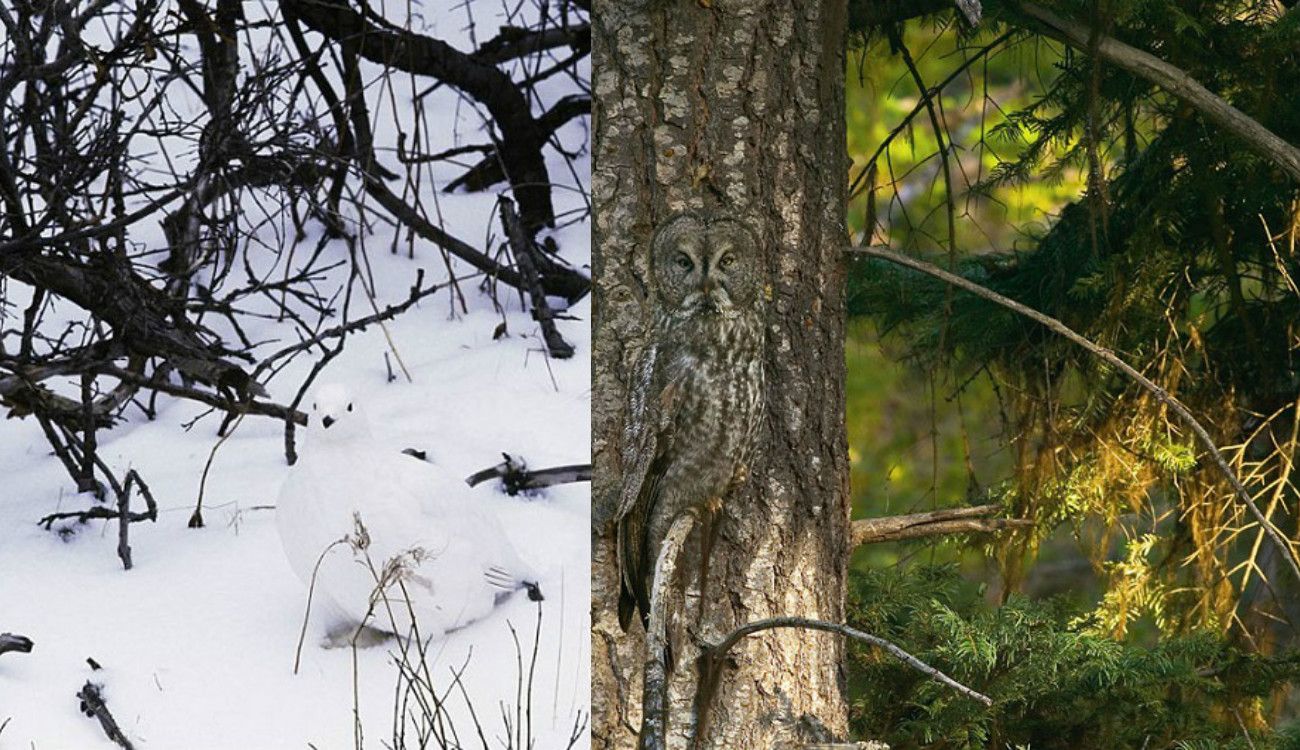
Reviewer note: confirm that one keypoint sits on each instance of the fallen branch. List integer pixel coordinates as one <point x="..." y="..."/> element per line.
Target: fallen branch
<point x="122" y="513"/>
<point x="1161" y="395"/>
<point x="711" y="661"/>
<point x="516" y="478"/>
<point x="94" y="706"/>
<point x="1144" y="65"/>
<point x="10" y="642"/>
<point x="933" y="523"/>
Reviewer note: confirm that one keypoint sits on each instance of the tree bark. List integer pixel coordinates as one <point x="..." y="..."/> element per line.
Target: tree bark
<point x="730" y="106"/>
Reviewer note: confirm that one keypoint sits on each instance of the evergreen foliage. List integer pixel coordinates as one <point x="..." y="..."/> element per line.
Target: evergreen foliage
<point x="1056" y="683"/>
<point x="1182" y="256"/>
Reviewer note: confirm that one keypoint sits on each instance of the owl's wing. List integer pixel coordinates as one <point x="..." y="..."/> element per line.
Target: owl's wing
<point x="652" y="407"/>
<point x="641" y="430"/>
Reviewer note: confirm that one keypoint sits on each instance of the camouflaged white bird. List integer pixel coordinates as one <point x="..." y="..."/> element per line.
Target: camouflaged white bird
<point x="388" y="541"/>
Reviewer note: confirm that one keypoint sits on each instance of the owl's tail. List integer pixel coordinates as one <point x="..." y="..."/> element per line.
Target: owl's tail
<point x="632" y="592"/>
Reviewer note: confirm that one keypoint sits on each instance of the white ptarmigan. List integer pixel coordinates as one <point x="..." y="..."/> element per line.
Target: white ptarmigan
<point x="390" y="541"/>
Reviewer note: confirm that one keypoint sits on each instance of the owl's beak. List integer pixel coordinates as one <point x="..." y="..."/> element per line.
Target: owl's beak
<point x="326" y="422"/>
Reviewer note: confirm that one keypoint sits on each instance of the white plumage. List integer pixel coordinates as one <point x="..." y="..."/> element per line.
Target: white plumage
<point x="394" y="536"/>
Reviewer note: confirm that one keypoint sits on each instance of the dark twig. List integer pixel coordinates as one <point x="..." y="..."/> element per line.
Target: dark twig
<point x="94" y="706"/>
<point x="10" y="642"/>
<point x="418" y="292"/>
<point x="516" y="478"/>
<point x="524" y="249"/>
<point x="124" y="515"/>
<point x="97" y="511"/>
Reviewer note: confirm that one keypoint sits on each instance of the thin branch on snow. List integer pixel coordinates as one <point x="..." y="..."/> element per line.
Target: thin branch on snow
<point x="17" y="643"/>
<point x="94" y="706"/>
<point x="516" y="477"/>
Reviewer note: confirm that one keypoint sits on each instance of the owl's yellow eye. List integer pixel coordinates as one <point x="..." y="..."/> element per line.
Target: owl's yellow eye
<point x="683" y="262"/>
<point x="727" y="261"/>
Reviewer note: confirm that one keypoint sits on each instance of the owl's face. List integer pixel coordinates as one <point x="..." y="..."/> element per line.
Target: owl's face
<point x="704" y="267"/>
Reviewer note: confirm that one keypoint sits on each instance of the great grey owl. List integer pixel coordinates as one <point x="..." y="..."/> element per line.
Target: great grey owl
<point x="696" y="394"/>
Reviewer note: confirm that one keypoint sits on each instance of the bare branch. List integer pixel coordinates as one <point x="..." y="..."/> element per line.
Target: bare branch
<point x="526" y="257"/>
<point x="933" y="523"/>
<point x="711" y="660"/>
<point x="94" y="706"/>
<point x="516" y="477"/>
<point x="10" y="642"/>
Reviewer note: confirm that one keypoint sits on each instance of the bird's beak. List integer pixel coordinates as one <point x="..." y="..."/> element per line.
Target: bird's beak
<point x="326" y="422"/>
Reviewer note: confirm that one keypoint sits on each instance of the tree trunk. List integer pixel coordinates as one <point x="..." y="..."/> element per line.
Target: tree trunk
<point x="732" y="106"/>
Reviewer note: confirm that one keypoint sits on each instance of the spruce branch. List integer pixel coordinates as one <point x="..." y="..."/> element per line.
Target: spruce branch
<point x="1176" y="81"/>
<point x="1163" y="396"/>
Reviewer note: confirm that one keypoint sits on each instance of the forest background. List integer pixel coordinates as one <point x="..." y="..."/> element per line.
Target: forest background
<point x="1120" y="596"/>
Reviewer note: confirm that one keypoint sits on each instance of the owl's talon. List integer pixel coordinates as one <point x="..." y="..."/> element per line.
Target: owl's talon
<point x="714" y="504"/>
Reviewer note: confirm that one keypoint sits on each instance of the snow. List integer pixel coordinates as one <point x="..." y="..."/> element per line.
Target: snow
<point x="197" y="642"/>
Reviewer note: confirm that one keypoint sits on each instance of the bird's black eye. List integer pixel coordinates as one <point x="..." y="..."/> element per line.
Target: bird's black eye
<point x="313" y="406"/>
<point x="683" y="262"/>
<point x="727" y="261"/>
<point x="349" y="407"/>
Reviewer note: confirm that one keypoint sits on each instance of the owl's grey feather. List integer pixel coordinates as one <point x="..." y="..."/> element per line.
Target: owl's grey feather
<point x="696" y="395"/>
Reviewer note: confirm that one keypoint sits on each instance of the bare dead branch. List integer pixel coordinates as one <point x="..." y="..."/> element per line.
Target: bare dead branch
<point x="17" y="643"/>
<point x="94" y="706"/>
<point x="521" y="139"/>
<point x="525" y="252"/>
<point x="418" y="292"/>
<point x="711" y="661"/>
<point x="517" y="478"/>
<point x="933" y="523"/>
<point x="512" y="42"/>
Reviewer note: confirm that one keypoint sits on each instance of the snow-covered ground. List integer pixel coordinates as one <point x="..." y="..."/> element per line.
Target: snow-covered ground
<point x="197" y="642"/>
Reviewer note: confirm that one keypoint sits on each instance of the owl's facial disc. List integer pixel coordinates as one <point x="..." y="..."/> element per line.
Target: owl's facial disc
<point x="705" y="268"/>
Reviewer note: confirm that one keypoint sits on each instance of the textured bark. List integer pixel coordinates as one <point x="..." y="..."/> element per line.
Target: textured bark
<point x="733" y="106"/>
